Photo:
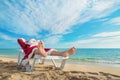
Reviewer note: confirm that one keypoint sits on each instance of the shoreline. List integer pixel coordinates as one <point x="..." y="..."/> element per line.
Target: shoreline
<point x="94" y="63"/>
<point x="70" y="61"/>
<point x="82" y="56"/>
<point x="78" y="62"/>
<point x="10" y="69"/>
<point x="6" y="59"/>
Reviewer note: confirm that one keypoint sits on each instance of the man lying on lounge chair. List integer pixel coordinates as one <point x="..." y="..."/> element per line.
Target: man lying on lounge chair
<point x="32" y="47"/>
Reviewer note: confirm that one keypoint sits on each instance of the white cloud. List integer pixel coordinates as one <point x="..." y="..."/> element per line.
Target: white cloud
<point x="107" y="34"/>
<point x="114" y="21"/>
<point x="115" y="39"/>
<point x="18" y="21"/>
<point x="112" y="42"/>
<point x="6" y="37"/>
<point x="87" y="41"/>
<point x="99" y="9"/>
<point x="57" y="17"/>
<point x="108" y="37"/>
<point x="79" y="43"/>
<point x="52" y="40"/>
<point x="101" y="40"/>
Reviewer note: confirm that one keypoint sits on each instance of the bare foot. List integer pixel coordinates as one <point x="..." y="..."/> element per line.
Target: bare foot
<point x="41" y="44"/>
<point x="69" y="52"/>
<point x="41" y="49"/>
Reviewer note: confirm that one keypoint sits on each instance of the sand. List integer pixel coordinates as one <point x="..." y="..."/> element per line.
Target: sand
<point x="9" y="70"/>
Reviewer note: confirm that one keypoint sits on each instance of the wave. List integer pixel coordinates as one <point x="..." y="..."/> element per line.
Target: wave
<point x="93" y="60"/>
<point x="9" y="56"/>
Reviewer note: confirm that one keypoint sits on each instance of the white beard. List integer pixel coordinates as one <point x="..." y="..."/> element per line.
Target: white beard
<point x="33" y="42"/>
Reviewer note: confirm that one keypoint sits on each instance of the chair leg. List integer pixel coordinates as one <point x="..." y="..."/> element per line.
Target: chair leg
<point x="43" y="61"/>
<point x="39" y="60"/>
<point x="33" y="64"/>
<point x="54" y="62"/>
<point x="63" y="64"/>
<point x="19" y="58"/>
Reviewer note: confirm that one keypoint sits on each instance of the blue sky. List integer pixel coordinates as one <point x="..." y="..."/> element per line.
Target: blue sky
<point x="61" y="23"/>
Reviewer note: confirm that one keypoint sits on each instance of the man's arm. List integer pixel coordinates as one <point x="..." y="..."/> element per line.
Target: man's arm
<point x="21" y="42"/>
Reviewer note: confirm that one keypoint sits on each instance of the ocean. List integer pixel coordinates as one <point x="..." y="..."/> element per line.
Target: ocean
<point x="92" y="56"/>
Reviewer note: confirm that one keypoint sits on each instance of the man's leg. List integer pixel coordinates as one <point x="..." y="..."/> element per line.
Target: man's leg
<point x="41" y="50"/>
<point x="64" y="53"/>
<point x="43" y="53"/>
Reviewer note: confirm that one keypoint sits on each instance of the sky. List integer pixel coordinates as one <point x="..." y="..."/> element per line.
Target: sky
<point x="61" y="23"/>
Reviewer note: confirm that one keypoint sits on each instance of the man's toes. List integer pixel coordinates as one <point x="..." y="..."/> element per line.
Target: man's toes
<point x="41" y="42"/>
<point x="73" y="48"/>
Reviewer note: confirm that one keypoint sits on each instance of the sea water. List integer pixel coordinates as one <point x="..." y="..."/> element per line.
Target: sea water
<point x="105" y="57"/>
<point x="92" y="56"/>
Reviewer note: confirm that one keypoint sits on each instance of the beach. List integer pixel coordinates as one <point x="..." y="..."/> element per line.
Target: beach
<point x="9" y="70"/>
<point x="84" y="32"/>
